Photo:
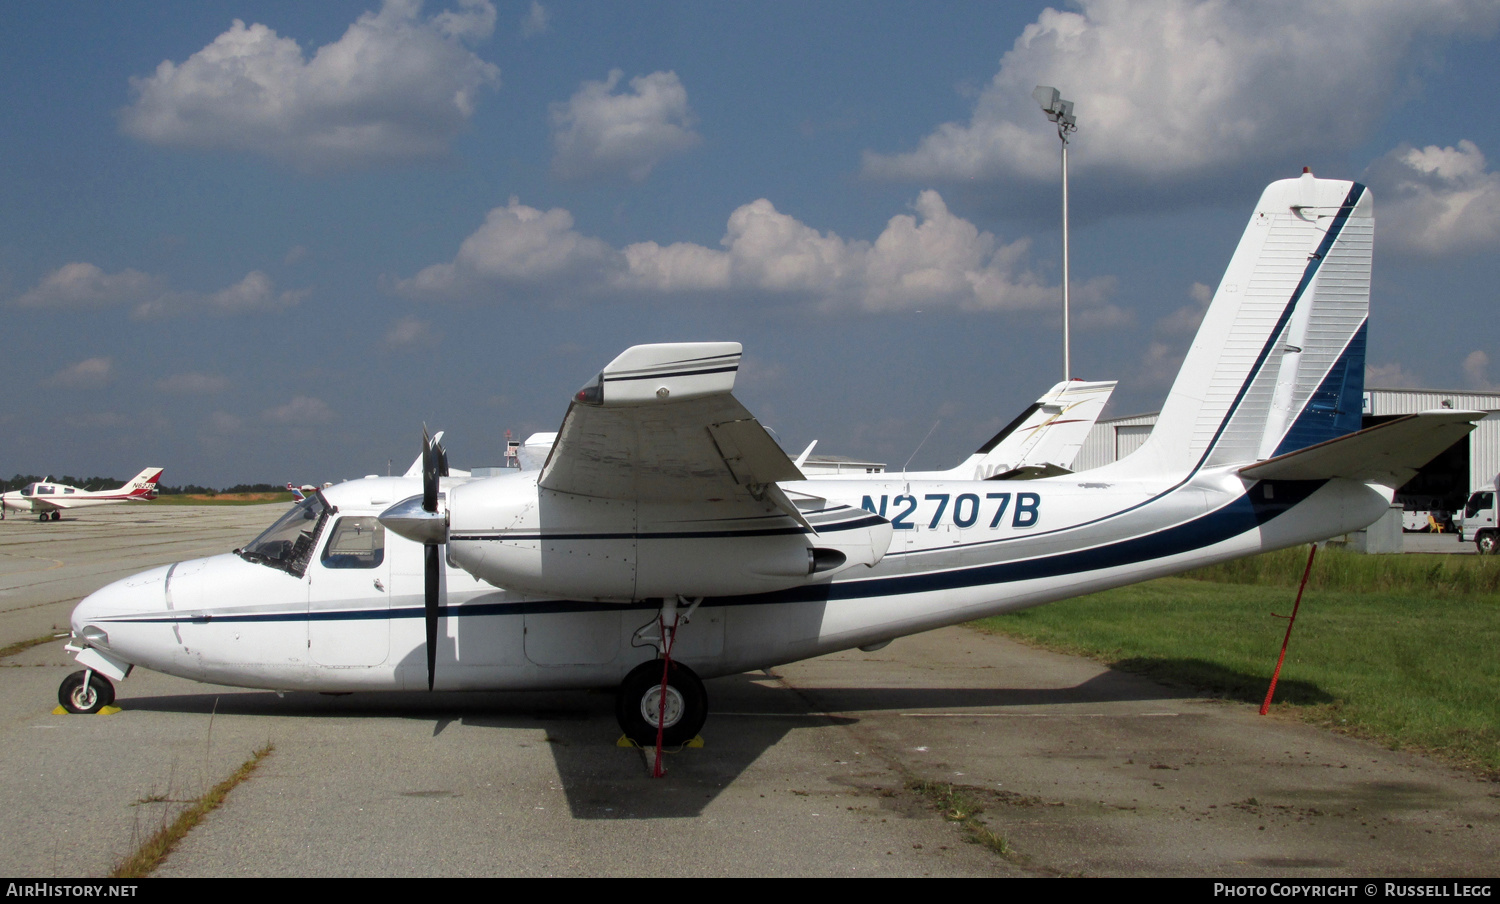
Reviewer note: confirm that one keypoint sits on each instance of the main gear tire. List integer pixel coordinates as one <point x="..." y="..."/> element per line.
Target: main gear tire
<point x="638" y="704"/>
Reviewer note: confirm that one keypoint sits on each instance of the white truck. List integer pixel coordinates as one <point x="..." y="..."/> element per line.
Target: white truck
<point x="1479" y="523"/>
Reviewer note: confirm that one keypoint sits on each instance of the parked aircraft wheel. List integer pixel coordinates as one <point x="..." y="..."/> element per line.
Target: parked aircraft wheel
<point x="42" y="517"/>
<point x="638" y="703"/>
<point x="57" y="516"/>
<point x="1487" y="542"/>
<point x="76" y="697"/>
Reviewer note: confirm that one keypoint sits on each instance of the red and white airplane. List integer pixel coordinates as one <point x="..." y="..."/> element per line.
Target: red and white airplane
<point x="47" y="500"/>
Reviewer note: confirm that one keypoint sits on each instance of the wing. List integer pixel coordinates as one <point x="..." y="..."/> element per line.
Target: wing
<point x="659" y="484"/>
<point x="659" y="424"/>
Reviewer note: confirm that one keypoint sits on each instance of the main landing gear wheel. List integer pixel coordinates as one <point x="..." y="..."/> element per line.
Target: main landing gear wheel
<point x="85" y="692"/>
<point x="638" y="703"/>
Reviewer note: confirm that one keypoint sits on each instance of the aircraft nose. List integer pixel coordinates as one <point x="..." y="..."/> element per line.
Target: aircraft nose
<point x="139" y="594"/>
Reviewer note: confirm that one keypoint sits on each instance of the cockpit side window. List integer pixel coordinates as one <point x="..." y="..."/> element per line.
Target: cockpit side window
<point x="45" y="490"/>
<point x="355" y="542"/>
<point x="288" y="544"/>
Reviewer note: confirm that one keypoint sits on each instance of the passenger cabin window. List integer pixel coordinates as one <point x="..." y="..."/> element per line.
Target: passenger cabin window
<point x="45" y="490"/>
<point x="355" y="542"/>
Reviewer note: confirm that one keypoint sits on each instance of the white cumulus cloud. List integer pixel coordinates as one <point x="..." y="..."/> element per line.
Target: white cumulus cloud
<point x="599" y="133"/>
<point x="1477" y="371"/>
<point x="395" y="88"/>
<point x="93" y="373"/>
<point x="84" y="285"/>
<point x="927" y="258"/>
<point x="536" y="21"/>
<point x="932" y="258"/>
<point x="1184" y="89"/>
<point x="255" y="294"/>
<point x="300" y="410"/>
<point x="410" y="333"/>
<point x="1437" y="201"/>
<point x="193" y="383"/>
<point x="517" y="247"/>
<point x="1393" y="375"/>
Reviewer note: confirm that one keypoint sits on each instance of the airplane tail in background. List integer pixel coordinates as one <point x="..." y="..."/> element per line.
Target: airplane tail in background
<point x="1279" y="362"/>
<point x="1045" y="439"/>
<point x="143" y="485"/>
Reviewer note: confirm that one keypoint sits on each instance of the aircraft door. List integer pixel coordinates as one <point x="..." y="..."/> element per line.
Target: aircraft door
<point x="349" y="623"/>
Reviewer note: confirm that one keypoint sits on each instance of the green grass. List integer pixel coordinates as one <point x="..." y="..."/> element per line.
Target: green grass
<point x="141" y="862"/>
<point x="1415" y="669"/>
<point x="224" y="499"/>
<point x="961" y="804"/>
<point x="23" y="645"/>
<point x="1338" y="569"/>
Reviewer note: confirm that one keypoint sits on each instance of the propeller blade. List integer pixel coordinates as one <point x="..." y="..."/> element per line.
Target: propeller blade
<point x="434" y="562"/>
<point x="429" y="473"/>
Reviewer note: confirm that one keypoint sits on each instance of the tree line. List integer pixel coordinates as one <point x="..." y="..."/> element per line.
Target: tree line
<point x="110" y="483"/>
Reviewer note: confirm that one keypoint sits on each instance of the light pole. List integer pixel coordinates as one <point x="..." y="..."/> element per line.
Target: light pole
<point x="1061" y="112"/>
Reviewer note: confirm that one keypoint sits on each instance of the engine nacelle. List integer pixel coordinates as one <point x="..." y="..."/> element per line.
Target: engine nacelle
<point x="511" y="533"/>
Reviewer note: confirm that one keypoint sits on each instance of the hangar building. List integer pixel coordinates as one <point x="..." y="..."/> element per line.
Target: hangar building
<point x="1443" y="485"/>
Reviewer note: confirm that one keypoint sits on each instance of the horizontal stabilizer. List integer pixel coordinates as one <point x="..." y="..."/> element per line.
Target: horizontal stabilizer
<point x="1387" y="454"/>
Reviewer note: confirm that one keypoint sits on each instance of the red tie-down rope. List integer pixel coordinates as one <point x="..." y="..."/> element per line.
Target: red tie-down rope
<point x="1290" y="620"/>
<point x="666" y="668"/>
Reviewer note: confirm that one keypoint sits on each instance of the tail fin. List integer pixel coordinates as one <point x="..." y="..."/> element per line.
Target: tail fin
<point x="1279" y="362"/>
<point x="1044" y="439"/>
<point x="143" y="485"/>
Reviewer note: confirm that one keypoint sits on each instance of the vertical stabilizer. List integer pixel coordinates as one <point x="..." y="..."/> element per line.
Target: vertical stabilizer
<point x="1044" y="439"/>
<point x="1279" y="361"/>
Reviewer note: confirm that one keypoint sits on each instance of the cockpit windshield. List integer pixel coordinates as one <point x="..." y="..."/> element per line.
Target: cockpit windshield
<point x="288" y="544"/>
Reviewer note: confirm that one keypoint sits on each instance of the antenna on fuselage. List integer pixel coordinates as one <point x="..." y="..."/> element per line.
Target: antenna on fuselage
<point x="919" y="446"/>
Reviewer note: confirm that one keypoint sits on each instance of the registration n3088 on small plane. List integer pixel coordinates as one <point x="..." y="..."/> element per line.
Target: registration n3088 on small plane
<point x="667" y="538"/>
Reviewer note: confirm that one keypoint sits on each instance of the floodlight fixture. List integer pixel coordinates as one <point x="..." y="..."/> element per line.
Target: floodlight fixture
<point x="1058" y="110"/>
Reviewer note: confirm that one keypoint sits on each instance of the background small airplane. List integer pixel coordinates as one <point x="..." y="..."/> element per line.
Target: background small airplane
<point x="47" y="500"/>
<point x="1042" y="441"/>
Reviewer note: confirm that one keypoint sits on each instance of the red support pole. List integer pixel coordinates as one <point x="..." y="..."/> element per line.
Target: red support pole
<point x="668" y="636"/>
<point x="1291" y="620"/>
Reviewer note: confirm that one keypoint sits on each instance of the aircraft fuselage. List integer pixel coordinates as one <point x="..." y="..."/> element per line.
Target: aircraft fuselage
<point x="958" y="551"/>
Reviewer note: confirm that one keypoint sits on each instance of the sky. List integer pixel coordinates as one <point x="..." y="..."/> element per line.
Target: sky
<point x="268" y="241"/>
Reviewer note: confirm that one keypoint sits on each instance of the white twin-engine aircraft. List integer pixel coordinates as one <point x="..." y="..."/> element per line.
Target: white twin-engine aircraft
<point x="47" y="500"/>
<point x="667" y="538"/>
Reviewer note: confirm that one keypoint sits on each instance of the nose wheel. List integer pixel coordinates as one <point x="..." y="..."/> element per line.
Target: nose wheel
<point x="85" y="692"/>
